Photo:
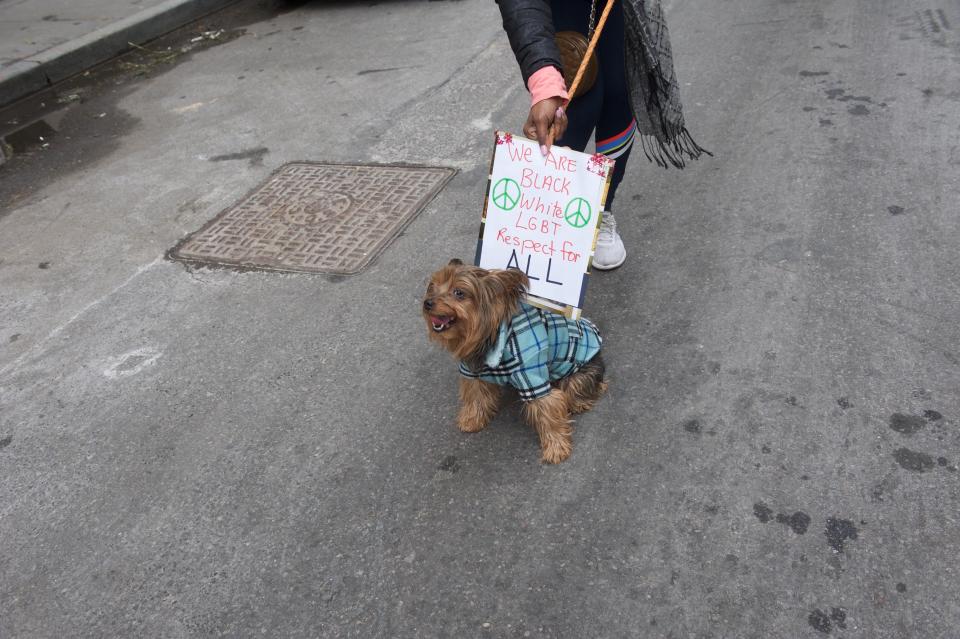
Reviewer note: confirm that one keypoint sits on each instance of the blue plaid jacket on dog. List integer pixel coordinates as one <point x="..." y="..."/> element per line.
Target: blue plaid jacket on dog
<point x="535" y="347"/>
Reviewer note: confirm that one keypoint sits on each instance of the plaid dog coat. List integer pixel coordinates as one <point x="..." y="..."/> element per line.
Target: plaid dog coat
<point x="534" y="348"/>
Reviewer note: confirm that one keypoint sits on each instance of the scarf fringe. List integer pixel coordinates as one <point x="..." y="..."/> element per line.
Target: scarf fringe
<point x="676" y="150"/>
<point x="670" y="141"/>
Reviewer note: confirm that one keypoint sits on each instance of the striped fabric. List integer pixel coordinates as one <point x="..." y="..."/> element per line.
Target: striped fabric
<point x="615" y="146"/>
<point x="534" y="348"/>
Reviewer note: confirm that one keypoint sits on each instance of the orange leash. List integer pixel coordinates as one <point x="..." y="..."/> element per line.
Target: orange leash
<point x="590" y="48"/>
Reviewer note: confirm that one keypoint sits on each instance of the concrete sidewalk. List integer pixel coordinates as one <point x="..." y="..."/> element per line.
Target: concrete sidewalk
<point x="45" y="41"/>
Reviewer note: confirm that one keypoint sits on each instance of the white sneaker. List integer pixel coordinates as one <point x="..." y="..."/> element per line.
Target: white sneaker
<point x="610" y="252"/>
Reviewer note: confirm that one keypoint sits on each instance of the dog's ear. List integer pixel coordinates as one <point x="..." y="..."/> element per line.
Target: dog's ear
<point x="514" y="282"/>
<point x="455" y="262"/>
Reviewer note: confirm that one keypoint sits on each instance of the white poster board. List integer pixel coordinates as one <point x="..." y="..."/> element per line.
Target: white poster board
<point x="541" y="216"/>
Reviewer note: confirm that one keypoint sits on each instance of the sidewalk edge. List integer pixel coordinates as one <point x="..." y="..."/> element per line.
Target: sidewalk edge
<point x="60" y="62"/>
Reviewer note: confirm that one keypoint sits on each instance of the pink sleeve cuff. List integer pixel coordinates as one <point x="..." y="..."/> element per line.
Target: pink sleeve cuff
<point x="546" y="83"/>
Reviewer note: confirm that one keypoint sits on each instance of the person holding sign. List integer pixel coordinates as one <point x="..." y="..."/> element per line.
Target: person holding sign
<point x="634" y="89"/>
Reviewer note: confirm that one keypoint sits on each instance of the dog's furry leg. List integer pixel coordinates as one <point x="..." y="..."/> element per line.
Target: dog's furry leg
<point x="550" y="416"/>
<point x="479" y="401"/>
<point x="586" y="386"/>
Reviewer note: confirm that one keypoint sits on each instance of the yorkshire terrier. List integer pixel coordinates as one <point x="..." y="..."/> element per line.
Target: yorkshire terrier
<point x="500" y="340"/>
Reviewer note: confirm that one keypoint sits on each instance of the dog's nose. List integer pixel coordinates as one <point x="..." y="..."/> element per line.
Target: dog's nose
<point x="428" y="305"/>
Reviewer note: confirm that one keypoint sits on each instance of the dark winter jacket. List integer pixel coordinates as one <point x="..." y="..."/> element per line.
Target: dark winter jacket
<point x="529" y="27"/>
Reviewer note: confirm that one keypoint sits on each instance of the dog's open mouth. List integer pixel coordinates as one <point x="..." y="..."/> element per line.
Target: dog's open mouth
<point x="441" y="323"/>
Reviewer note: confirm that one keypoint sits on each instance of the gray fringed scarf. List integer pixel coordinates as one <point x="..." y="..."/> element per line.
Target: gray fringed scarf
<point x="654" y="90"/>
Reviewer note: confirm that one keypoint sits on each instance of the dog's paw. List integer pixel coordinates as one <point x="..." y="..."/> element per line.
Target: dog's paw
<point x="470" y="423"/>
<point x="557" y="450"/>
<point x="580" y="406"/>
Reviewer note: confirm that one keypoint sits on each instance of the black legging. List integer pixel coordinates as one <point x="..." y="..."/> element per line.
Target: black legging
<point x="606" y="106"/>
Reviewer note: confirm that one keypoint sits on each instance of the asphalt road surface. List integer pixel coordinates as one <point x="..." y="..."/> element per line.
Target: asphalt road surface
<point x="195" y="452"/>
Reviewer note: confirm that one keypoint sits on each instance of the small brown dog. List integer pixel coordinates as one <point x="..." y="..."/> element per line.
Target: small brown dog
<point x="554" y="363"/>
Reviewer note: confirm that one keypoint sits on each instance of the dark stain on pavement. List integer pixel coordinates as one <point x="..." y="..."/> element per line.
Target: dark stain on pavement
<point x="449" y="464"/>
<point x="693" y="426"/>
<point x="887" y="484"/>
<point x="798" y="521"/>
<point x="945" y="463"/>
<point x="838" y="531"/>
<point x="762" y="512"/>
<point x="813" y="74"/>
<point x="255" y="156"/>
<point x="91" y="138"/>
<point x="932" y="415"/>
<point x="14" y="337"/>
<point x="730" y="561"/>
<point x="858" y="109"/>
<point x="6" y="441"/>
<point x="906" y="424"/>
<point x="901" y="587"/>
<point x="43" y="265"/>
<point x="34" y="136"/>
<point x="840" y="95"/>
<point x="384" y="70"/>
<point x="895" y="210"/>
<point x="839" y="617"/>
<point x="820" y="621"/>
<point x="824" y="622"/>
<point x="844" y="403"/>
<point x="913" y="460"/>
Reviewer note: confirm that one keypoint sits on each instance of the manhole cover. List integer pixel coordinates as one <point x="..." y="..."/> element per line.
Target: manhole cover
<point x="316" y="218"/>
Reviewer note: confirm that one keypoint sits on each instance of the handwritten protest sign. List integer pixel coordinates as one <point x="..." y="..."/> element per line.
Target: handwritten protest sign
<point x="541" y="216"/>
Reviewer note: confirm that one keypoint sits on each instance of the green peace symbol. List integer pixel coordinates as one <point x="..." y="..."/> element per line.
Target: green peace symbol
<point x="575" y="215"/>
<point x="506" y="193"/>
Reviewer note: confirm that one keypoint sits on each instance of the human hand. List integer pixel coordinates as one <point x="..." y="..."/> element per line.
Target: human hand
<point x="546" y="122"/>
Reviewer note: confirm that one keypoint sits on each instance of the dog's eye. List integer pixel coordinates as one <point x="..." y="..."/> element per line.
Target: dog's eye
<point x="457" y="293"/>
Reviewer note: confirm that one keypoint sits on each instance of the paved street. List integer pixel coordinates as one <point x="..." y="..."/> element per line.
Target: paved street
<point x="200" y="452"/>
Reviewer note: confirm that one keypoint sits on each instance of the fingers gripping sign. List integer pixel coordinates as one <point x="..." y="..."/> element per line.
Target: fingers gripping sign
<point x="546" y="122"/>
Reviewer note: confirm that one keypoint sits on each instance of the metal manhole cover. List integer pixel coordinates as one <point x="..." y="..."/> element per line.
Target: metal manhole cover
<point x="316" y="218"/>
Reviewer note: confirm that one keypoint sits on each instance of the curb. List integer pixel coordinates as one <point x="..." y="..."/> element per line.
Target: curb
<point x="62" y="61"/>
